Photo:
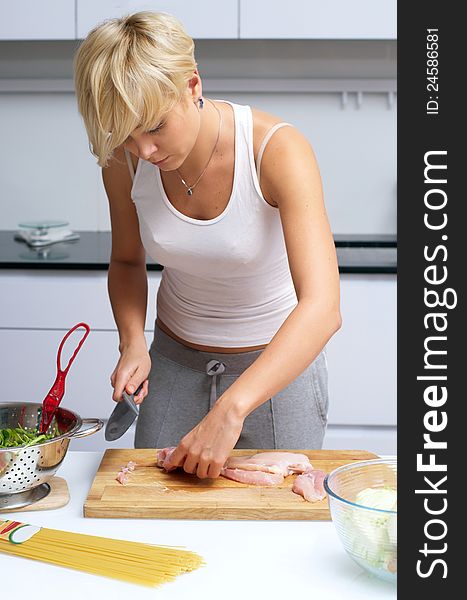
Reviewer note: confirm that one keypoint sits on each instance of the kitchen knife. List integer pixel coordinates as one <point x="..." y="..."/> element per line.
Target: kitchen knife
<point x="122" y="416"/>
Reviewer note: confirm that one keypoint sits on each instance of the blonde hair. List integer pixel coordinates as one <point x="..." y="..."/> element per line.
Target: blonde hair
<point x="129" y="73"/>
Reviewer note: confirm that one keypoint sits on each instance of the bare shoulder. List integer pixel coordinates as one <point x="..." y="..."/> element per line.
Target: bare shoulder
<point x="262" y="123"/>
<point x="286" y="152"/>
<point x="116" y="175"/>
<point x="118" y="163"/>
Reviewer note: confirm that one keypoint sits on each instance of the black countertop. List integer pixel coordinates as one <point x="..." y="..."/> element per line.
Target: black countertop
<point x="355" y="253"/>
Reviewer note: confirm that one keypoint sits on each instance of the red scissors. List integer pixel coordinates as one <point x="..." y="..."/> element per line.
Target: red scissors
<point x="55" y="395"/>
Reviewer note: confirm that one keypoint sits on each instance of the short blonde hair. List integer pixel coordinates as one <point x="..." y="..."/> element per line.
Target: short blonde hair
<point x="129" y="73"/>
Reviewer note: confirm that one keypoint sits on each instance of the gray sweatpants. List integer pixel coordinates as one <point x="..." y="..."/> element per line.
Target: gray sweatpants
<point x="184" y="383"/>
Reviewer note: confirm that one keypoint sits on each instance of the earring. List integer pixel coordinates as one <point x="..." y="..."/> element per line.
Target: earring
<point x="201" y="102"/>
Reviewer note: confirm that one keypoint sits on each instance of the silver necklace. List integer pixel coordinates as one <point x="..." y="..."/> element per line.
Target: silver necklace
<point x="189" y="188"/>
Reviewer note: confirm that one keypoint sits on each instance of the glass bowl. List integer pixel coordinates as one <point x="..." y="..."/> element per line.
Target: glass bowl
<point x="363" y="503"/>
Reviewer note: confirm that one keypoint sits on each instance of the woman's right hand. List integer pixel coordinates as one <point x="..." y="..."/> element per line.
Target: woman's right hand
<point x="131" y="371"/>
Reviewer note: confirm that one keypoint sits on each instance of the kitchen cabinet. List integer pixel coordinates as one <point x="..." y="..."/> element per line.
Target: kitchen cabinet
<point x="314" y="19"/>
<point x="36" y="310"/>
<point x="362" y="354"/>
<point x="207" y="19"/>
<point x="201" y="19"/>
<point x="29" y="368"/>
<point x="33" y="20"/>
<point x="38" y="307"/>
<point x="58" y="299"/>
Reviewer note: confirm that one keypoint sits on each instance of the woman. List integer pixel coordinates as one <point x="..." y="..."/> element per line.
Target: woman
<point x="229" y="199"/>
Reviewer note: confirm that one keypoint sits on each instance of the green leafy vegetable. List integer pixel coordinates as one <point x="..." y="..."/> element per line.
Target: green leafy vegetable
<point x="19" y="436"/>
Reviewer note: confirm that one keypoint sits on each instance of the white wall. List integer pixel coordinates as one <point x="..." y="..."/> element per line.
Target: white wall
<point x="47" y="171"/>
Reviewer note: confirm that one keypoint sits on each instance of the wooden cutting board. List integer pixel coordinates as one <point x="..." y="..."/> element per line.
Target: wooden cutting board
<point x="151" y="493"/>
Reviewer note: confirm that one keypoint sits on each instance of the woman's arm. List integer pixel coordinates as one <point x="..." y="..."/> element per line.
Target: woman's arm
<point x="127" y="281"/>
<point x="291" y="181"/>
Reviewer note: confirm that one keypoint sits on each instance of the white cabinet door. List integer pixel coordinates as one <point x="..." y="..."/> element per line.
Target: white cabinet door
<point x="28" y="369"/>
<point x="380" y="440"/>
<point x="201" y="18"/>
<point x="60" y="299"/>
<point x="37" y="308"/>
<point x="362" y="354"/>
<point x="315" y="19"/>
<point x="37" y="20"/>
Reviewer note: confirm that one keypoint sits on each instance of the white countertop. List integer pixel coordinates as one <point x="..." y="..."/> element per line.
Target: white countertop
<point x="251" y="559"/>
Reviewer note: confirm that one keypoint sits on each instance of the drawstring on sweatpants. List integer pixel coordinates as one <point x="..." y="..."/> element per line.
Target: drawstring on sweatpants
<point x="213" y="369"/>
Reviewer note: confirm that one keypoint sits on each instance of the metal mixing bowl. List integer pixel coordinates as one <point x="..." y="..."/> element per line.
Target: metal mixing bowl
<point x="23" y="468"/>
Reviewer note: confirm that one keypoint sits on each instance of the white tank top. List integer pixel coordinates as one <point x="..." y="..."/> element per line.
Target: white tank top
<point x="226" y="281"/>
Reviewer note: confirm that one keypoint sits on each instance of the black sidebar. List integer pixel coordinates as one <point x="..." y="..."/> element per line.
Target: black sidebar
<point x="432" y="357"/>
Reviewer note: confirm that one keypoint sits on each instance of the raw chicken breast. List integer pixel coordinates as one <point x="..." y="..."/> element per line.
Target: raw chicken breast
<point x="122" y="475"/>
<point x="264" y="468"/>
<point x="122" y="478"/>
<point x="310" y="485"/>
<point x="253" y="477"/>
<point x="284" y="463"/>
<point x="163" y="458"/>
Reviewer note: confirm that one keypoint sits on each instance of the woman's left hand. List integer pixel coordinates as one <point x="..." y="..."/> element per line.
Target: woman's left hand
<point x="205" y="449"/>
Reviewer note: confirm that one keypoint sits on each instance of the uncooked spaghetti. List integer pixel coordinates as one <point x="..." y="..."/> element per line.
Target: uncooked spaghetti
<point x="135" y="562"/>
